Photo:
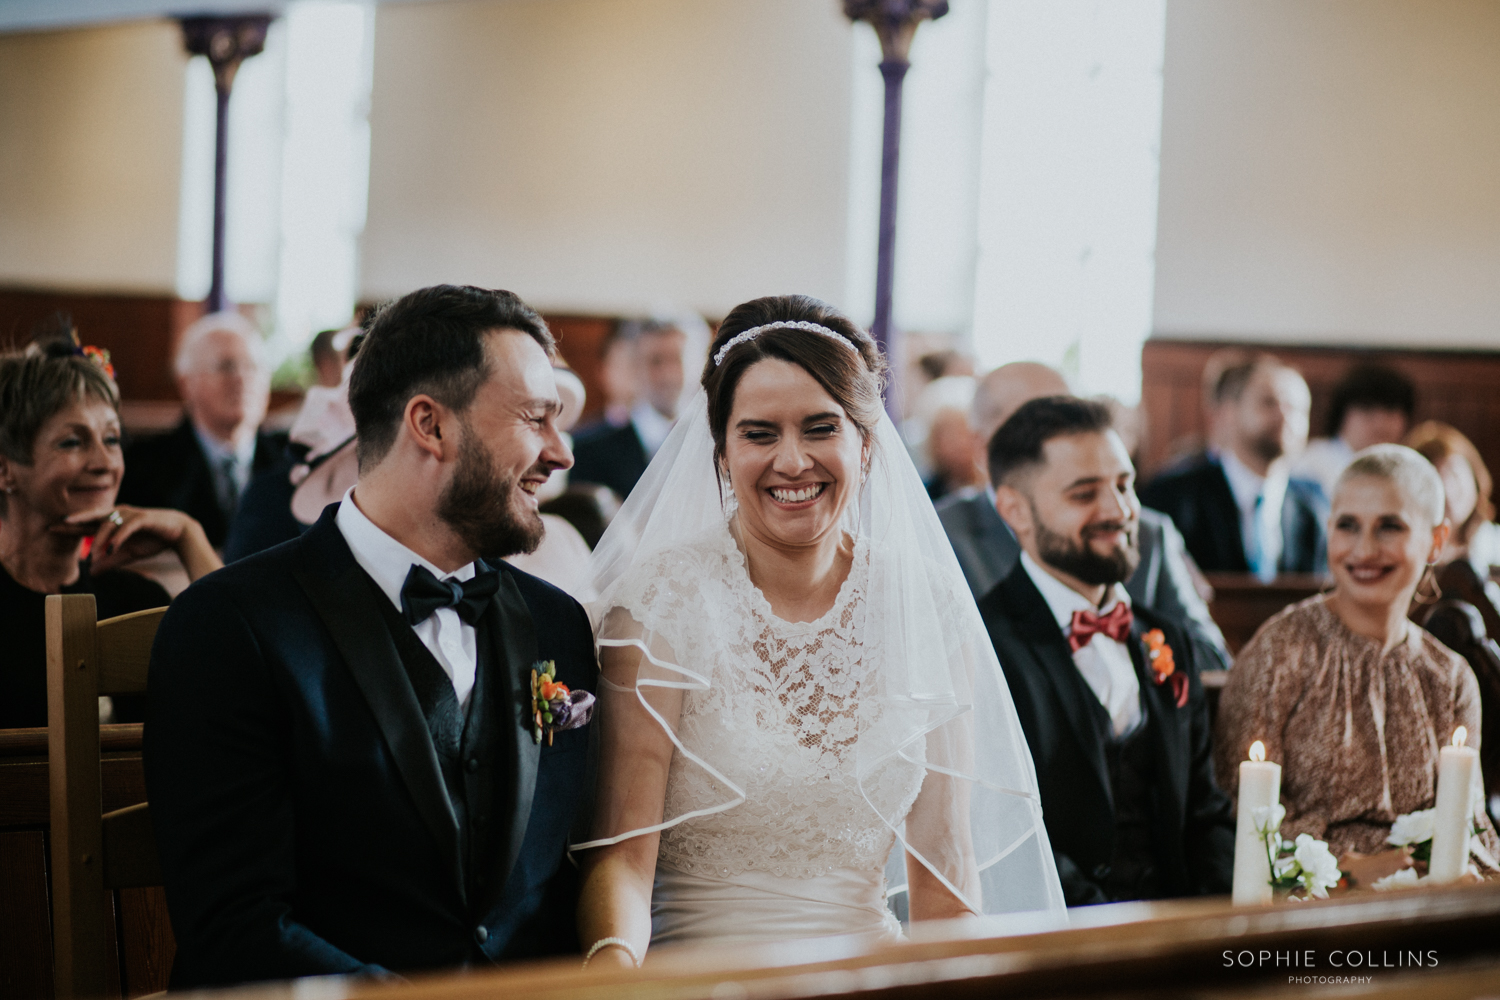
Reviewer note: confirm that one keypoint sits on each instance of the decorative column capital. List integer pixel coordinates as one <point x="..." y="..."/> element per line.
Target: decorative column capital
<point x="895" y="21"/>
<point x="226" y="41"/>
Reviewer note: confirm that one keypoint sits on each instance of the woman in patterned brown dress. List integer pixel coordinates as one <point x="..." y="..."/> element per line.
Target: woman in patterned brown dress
<point x="1352" y="698"/>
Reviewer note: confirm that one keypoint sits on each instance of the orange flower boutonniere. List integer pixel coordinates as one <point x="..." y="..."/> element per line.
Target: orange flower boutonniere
<point x="1163" y="667"/>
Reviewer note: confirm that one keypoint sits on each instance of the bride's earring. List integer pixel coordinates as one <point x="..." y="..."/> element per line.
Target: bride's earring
<point x="729" y="501"/>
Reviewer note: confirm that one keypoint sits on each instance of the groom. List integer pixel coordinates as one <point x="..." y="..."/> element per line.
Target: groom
<point x="1107" y="694"/>
<point x="340" y="757"/>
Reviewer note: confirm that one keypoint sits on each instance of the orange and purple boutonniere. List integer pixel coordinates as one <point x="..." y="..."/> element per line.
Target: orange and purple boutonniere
<point x="553" y="706"/>
<point x="1163" y="667"/>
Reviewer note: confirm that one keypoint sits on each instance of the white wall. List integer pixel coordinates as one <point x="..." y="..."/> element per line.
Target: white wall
<point x="1331" y="172"/>
<point x="90" y="155"/>
<point x="610" y="154"/>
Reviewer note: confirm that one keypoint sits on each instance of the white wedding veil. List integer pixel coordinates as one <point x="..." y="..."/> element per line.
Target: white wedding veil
<point x="940" y="701"/>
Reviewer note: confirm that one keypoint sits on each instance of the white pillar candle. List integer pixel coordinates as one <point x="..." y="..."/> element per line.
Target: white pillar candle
<point x="1260" y="788"/>
<point x="1452" y="819"/>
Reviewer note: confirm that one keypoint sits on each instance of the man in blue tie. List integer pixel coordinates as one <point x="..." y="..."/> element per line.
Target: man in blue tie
<point x="1237" y="505"/>
<point x="343" y="757"/>
<point x="1107" y="693"/>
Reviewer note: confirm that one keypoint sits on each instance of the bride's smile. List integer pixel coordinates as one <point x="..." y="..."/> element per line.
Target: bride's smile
<point x="792" y="454"/>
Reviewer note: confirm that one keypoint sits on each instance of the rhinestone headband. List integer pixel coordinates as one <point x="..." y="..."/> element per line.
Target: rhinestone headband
<point x="756" y="331"/>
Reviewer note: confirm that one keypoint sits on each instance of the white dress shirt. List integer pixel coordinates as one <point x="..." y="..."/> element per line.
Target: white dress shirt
<point x="651" y="427"/>
<point x="1259" y="499"/>
<point x="1104" y="662"/>
<point x="452" y="643"/>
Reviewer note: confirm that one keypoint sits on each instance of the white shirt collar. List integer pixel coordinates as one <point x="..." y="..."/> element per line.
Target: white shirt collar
<point x="1063" y="599"/>
<point x="378" y="554"/>
<point x="242" y="453"/>
<point x="650" y="426"/>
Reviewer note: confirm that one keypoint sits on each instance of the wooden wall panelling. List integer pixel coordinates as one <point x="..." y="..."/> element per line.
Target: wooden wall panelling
<point x="139" y="331"/>
<point x="1458" y="387"/>
<point x="580" y="341"/>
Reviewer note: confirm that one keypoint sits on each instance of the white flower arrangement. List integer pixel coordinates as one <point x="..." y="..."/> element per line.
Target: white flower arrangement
<point x="1305" y="864"/>
<point x="1406" y="878"/>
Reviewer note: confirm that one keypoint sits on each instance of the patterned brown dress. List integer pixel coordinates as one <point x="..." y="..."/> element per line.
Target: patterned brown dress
<point x="1356" y="731"/>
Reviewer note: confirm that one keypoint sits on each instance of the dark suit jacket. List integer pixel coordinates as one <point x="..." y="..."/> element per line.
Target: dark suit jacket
<point x="1190" y="815"/>
<point x="987" y="551"/>
<point x="1195" y="494"/>
<point x="301" y="817"/>
<point x="170" y="470"/>
<point x="610" y="456"/>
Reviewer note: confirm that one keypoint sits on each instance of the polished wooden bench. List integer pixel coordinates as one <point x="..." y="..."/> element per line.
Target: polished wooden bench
<point x="1199" y="948"/>
<point x="143" y="930"/>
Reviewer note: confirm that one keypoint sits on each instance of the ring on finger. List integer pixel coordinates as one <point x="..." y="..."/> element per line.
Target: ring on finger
<point x="115" y="518"/>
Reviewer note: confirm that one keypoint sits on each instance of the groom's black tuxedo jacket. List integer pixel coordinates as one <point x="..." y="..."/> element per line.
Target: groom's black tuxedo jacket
<point x="1190" y="815"/>
<point x="301" y="813"/>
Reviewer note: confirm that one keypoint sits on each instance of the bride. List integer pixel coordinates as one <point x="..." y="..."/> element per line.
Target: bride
<point x="796" y="686"/>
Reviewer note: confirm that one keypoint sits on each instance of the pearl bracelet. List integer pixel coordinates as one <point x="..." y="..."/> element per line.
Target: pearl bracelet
<point x="603" y="943"/>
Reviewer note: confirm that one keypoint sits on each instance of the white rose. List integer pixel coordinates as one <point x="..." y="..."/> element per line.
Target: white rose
<point x="1320" y="869"/>
<point x="1403" y="879"/>
<point x="1267" y="819"/>
<point x="1412" y="828"/>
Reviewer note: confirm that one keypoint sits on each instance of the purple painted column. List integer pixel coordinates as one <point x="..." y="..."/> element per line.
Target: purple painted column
<point x="227" y="42"/>
<point x="895" y="22"/>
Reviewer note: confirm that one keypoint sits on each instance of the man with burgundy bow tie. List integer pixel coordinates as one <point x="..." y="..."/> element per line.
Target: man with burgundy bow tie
<point x="342" y="754"/>
<point x="1108" y="696"/>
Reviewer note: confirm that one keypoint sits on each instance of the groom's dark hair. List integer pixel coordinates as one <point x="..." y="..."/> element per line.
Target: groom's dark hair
<point x="430" y="341"/>
<point x="1018" y="444"/>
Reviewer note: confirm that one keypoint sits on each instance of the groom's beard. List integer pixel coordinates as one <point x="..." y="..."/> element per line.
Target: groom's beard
<point x="1079" y="560"/>
<point x="487" y="510"/>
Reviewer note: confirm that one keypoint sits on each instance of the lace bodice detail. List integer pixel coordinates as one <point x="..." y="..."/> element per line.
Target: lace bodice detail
<point x="781" y="718"/>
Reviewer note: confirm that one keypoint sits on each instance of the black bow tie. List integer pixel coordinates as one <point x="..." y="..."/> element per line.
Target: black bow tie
<point x="423" y="593"/>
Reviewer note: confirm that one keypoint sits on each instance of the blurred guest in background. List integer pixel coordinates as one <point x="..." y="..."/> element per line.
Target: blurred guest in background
<point x="1371" y="404"/>
<point x="615" y="456"/>
<point x="1349" y="695"/>
<point x="938" y="431"/>
<point x="987" y="549"/>
<point x="317" y="466"/>
<point x="562" y="558"/>
<point x="945" y="363"/>
<point x="203" y="466"/>
<point x="60" y="467"/>
<point x="1237" y="506"/>
<point x="1472" y="554"/>
<point x="328" y="357"/>
<point x="617" y="371"/>
<point x="1107" y="693"/>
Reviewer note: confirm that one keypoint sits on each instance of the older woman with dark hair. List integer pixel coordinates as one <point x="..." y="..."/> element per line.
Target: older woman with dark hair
<point x="1349" y="695"/>
<point x="60" y="467"/>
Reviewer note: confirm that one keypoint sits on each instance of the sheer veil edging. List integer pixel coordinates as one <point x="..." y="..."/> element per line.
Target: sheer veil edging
<point x="936" y="699"/>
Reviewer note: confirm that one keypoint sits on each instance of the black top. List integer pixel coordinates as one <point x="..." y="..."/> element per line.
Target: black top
<point x="23" y="637"/>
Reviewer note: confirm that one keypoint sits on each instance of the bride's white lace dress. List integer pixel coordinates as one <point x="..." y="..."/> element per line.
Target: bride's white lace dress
<point x="793" y="848"/>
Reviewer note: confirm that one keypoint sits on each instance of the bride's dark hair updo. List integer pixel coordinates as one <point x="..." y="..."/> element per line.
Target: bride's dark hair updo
<point x="852" y="374"/>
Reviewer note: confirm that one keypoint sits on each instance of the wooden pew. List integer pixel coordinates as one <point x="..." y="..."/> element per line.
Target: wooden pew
<point x="25" y="919"/>
<point x="1241" y="604"/>
<point x="1176" y="949"/>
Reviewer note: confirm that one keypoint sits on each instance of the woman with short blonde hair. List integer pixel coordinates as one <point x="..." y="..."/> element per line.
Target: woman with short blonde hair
<point x="1352" y="698"/>
<point x="60" y="468"/>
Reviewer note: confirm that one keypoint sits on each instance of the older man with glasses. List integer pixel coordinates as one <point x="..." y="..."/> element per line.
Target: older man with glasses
<point x="203" y="465"/>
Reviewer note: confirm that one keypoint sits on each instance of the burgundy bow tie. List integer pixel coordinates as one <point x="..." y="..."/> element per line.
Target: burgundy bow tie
<point x="1115" y="624"/>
